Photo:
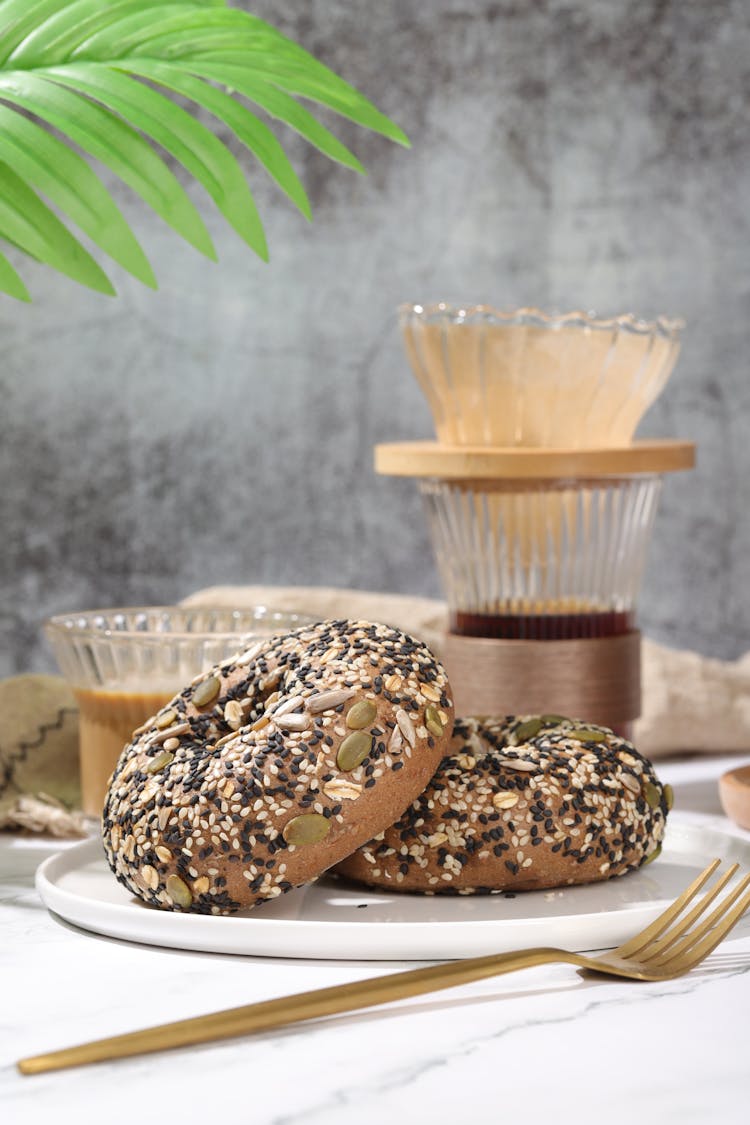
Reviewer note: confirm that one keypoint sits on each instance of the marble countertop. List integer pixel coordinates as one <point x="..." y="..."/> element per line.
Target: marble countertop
<point x="542" y="1045"/>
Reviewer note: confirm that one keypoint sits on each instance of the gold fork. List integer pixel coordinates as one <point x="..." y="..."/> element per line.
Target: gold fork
<point x="662" y="951"/>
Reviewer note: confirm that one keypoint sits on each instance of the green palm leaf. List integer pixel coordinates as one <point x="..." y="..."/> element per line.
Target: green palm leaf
<point x="10" y="282"/>
<point x="29" y="224"/>
<point x="253" y="133"/>
<point x="66" y="179"/>
<point x="101" y="73"/>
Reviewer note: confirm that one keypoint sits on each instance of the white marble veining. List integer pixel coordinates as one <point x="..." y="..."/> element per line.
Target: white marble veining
<point x="543" y="1045"/>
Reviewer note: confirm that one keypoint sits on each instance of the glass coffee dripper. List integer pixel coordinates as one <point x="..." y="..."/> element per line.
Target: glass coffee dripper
<point x="540" y="502"/>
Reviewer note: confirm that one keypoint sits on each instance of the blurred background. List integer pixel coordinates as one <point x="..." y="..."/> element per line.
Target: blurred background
<point x="568" y="155"/>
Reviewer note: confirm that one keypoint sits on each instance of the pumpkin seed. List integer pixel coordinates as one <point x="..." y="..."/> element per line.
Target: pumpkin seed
<point x="528" y="729"/>
<point x="165" y="719"/>
<point x="159" y="762"/>
<point x="206" y="691"/>
<point x="652" y="795"/>
<point x="178" y="891"/>
<point x="669" y="796"/>
<point x="310" y="828"/>
<point x="361" y="714"/>
<point x="583" y="734"/>
<point x="432" y="721"/>
<point x="353" y="750"/>
<point x="556" y="719"/>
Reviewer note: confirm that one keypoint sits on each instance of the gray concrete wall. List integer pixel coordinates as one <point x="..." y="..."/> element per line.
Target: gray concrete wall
<point x="564" y="154"/>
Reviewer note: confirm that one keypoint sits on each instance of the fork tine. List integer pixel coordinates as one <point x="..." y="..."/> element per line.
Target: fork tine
<point x="691" y="958"/>
<point x="660" y="924"/>
<point x="683" y="947"/>
<point x="681" y="926"/>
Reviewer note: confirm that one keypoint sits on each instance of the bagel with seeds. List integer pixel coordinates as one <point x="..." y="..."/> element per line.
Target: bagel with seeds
<point x="275" y="765"/>
<point x="522" y="804"/>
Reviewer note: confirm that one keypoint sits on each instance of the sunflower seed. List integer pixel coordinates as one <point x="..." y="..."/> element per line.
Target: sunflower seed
<point x="407" y="726"/>
<point x="291" y="722"/>
<point x="248" y="656"/>
<point x="290" y="704"/>
<point x="396" y="741"/>
<point x="326" y="700"/>
<point x="517" y="764"/>
<point x="163" y="735"/>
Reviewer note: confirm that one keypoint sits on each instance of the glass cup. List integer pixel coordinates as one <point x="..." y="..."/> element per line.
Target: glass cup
<point x="542" y="560"/>
<point x="124" y="664"/>
<point x="533" y="379"/>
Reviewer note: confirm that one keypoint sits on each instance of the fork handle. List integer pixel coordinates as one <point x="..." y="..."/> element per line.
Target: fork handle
<point x="269" y="1014"/>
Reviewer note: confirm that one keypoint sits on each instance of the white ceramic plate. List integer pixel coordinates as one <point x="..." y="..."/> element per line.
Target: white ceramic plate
<point x="333" y="919"/>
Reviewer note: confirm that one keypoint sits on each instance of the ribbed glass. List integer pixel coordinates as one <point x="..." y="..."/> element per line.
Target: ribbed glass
<point x="155" y="647"/>
<point x="542" y="560"/>
<point x="528" y="378"/>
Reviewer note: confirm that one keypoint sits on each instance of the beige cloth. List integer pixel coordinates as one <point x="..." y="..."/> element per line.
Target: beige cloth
<point x="39" y="788"/>
<point x="691" y="704"/>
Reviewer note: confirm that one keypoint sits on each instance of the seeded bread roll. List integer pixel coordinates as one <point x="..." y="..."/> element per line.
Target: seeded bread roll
<point x="522" y="804"/>
<point x="275" y="765"/>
